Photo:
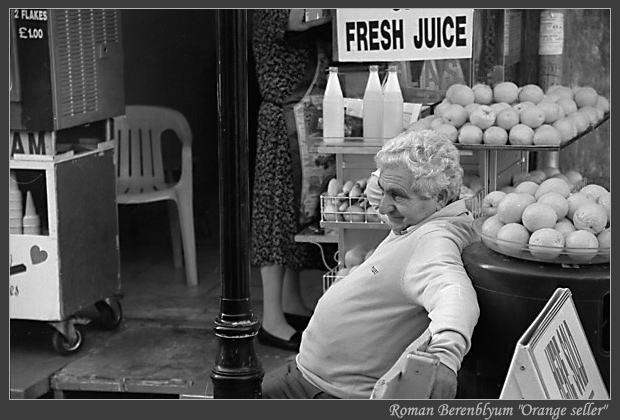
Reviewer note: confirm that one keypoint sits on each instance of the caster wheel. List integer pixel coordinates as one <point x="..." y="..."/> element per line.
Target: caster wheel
<point x="111" y="313"/>
<point x="62" y="345"/>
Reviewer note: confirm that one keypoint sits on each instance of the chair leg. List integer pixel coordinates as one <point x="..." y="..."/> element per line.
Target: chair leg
<point x="186" y="217"/>
<point x="175" y="233"/>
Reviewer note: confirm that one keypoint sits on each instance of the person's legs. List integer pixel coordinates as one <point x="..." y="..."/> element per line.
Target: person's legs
<point x="287" y="382"/>
<point x="292" y="299"/>
<point x="273" y="317"/>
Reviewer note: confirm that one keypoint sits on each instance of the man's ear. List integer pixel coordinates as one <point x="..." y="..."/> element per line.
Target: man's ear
<point x="442" y="199"/>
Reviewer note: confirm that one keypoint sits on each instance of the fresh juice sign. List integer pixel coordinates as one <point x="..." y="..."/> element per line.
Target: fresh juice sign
<point x="403" y="34"/>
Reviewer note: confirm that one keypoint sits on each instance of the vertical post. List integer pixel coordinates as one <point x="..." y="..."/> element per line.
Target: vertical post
<point x="237" y="372"/>
<point x="550" y="50"/>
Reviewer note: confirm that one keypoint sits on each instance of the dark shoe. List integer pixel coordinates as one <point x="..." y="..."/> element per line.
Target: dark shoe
<point x="291" y="344"/>
<point x="299" y="322"/>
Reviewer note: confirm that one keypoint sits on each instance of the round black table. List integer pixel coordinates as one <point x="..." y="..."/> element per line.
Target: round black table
<point x="511" y="293"/>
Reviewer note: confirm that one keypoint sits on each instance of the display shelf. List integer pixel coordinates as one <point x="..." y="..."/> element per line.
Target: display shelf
<point x="360" y="145"/>
<point x="308" y="235"/>
<point x="355" y="225"/>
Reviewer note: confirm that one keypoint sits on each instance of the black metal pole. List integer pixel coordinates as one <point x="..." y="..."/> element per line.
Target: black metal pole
<point x="237" y="372"/>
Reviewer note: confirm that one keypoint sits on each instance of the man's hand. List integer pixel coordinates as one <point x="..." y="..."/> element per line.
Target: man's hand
<point x="296" y="21"/>
<point x="445" y="383"/>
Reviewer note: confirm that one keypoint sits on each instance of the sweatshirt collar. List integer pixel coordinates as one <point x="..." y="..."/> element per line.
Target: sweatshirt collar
<point x="453" y="209"/>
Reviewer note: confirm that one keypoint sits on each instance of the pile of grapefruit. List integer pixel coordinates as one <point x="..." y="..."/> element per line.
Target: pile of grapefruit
<point x="552" y="221"/>
<point x="516" y="115"/>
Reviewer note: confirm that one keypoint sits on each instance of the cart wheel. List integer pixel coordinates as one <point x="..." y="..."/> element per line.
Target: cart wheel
<point x="111" y="313"/>
<point x="62" y="345"/>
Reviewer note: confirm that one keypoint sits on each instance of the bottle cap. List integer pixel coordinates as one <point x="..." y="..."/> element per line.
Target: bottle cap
<point x="373" y="68"/>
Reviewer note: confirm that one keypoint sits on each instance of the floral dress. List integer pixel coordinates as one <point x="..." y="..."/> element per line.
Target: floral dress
<point x="281" y="62"/>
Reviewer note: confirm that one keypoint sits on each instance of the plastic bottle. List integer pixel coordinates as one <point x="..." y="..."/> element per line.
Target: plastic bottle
<point x="333" y="109"/>
<point x="15" y="206"/>
<point x="392" y="105"/>
<point x="373" y="106"/>
<point x="31" y="223"/>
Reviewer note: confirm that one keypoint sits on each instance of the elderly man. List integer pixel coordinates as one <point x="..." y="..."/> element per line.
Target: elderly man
<point x="413" y="281"/>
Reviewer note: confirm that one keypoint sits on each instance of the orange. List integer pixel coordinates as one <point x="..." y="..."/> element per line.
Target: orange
<point x="491" y="201"/>
<point x="575" y="200"/>
<point x="521" y="134"/>
<point x="585" y="96"/>
<point x="506" y="92"/>
<point x="491" y="226"/>
<point x="512" y="237"/>
<point x="532" y="93"/>
<point x="557" y="201"/>
<point x="564" y="226"/>
<point x="604" y="238"/>
<point x="529" y="187"/>
<point x="594" y="191"/>
<point x="581" y="245"/>
<point x="557" y="185"/>
<point x="550" y="239"/>
<point x="483" y="94"/>
<point x="539" y="216"/>
<point x="511" y="207"/>
<point x="460" y="94"/>
<point x="591" y="217"/>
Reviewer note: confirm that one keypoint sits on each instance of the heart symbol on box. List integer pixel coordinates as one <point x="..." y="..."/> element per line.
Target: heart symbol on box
<point x="36" y="255"/>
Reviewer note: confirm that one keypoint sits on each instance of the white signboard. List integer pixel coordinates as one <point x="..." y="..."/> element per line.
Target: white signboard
<point x="553" y="359"/>
<point x="403" y="34"/>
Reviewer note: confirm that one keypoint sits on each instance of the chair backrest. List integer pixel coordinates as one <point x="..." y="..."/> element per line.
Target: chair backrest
<point x="138" y="152"/>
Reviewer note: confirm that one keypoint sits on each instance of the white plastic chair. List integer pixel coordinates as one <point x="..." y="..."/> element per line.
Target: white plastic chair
<point x="141" y="179"/>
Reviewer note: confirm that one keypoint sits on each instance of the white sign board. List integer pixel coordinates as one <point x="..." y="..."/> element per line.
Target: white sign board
<point x="553" y="359"/>
<point x="403" y="34"/>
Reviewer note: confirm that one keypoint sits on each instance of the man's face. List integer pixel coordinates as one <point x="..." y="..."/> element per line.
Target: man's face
<point x="400" y="203"/>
